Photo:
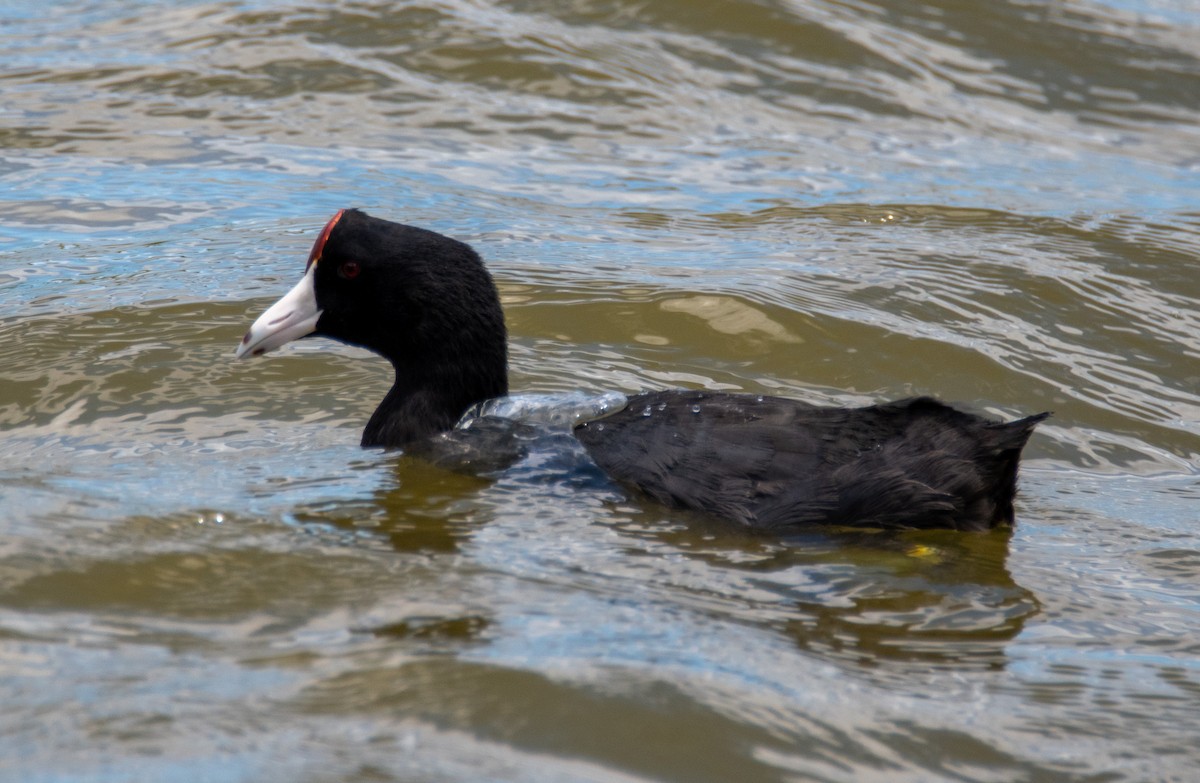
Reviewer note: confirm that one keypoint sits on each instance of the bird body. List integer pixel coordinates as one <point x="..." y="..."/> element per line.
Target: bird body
<point x="912" y="463"/>
<point x="427" y="303"/>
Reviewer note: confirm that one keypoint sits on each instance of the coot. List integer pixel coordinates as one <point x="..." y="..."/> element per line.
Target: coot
<point x="427" y="303"/>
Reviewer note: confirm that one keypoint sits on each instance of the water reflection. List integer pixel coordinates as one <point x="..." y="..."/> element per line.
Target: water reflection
<point x="944" y="601"/>
<point x="885" y="599"/>
<point x="451" y="632"/>
<point x="422" y="512"/>
<point x="992" y="201"/>
<point x="875" y="599"/>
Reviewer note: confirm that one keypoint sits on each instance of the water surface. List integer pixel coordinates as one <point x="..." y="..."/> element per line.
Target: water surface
<point x="202" y="577"/>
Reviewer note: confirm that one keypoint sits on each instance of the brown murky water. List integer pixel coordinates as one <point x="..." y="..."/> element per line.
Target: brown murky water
<point x="202" y="577"/>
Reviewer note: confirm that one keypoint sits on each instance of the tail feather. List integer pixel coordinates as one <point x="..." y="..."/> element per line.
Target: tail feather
<point x="1012" y="437"/>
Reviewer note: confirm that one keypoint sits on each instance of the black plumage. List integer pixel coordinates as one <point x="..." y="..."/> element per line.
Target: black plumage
<point x="427" y="303"/>
<point x="772" y="463"/>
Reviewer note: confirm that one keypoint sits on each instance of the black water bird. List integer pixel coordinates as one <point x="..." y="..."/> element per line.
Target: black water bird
<point x="427" y="304"/>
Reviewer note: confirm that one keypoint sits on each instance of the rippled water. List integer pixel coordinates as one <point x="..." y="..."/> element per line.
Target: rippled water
<point x="202" y="577"/>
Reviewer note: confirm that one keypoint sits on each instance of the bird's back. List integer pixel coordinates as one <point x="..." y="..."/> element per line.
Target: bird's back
<point x="772" y="463"/>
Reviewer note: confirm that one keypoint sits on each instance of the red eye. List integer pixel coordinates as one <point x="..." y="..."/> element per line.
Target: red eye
<point x="349" y="270"/>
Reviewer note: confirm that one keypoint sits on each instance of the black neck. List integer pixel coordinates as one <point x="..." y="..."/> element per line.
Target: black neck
<point x="422" y="404"/>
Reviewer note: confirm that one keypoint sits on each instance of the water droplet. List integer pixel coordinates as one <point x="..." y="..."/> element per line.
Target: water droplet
<point x="759" y="398"/>
<point x="646" y="411"/>
<point x="695" y="409"/>
<point x="662" y="406"/>
<point x="599" y="428"/>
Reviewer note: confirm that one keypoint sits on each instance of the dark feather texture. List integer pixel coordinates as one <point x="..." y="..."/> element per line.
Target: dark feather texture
<point x="772" y="463"/>
<point x="427" y="304"/>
